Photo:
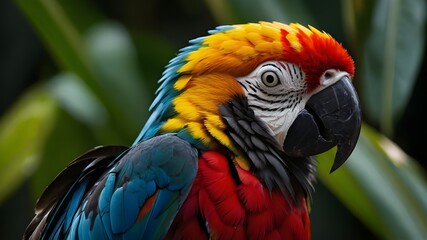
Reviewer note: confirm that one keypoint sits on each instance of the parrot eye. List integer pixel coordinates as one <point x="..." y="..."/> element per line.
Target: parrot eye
<point x="270" y="78"/>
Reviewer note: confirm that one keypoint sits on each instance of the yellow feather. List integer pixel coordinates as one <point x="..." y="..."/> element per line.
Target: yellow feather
<point x="243" y="163"/>
<point x="187" y="67"/>
<point x="196" y="55"/>
<point x="215" y="120"/>
<point x="264" y="47"/>
<point x="219" y="135"/>
<point x="294" y="42"/>
<point x="197" y="130"/>
<point x="251" y="27"/>
<point x="173" y="125"/>
<point x="315" y="30"/>
<point x="279" y="25"/>
<point x="254" y="38"/>
<point x="270" y="32"/>
<point x="216" y="39"/>
<point x="304" y="29"/>
<point x="231" y="46"/>
<point x="238" y="34"/>
<point x="246" y="52"/>
<point x="319" y="33"/>
<point x="186" y="108"/>
<point x="289" y="29"/>
<point x="182" y="82"/>
<point x="208" y="53"/>
<point x="273" y="25"/>
<point x="276" y="47"/>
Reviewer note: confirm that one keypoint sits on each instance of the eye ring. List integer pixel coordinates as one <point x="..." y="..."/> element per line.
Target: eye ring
<point x="270" y="78"/>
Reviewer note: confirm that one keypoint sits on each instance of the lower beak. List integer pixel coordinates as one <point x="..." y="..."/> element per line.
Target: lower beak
<point x="332" y="117"/>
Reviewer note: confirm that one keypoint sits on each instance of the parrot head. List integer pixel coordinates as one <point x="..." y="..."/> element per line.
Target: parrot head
<point x="271" y="94"/>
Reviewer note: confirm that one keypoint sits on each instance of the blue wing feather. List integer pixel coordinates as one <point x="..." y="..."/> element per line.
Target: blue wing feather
<point x="162" y="214"/>
<point x="160" y="169"/>
<point x="108" y="205"/>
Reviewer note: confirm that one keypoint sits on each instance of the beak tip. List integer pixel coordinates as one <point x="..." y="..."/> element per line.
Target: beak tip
<point x="338" y="162"/>
<point x="334" y="167"/>
<point x="345" y="150"/>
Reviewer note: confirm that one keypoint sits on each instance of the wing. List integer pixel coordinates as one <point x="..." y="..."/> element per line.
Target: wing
<point x="67" y="189"/>
<point x="134" y="195"/>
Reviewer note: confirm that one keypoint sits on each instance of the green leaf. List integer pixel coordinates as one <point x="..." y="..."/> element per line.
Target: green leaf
<point x="73" y="95"/>
<point x="381" y="185"/>
<point x="153" y="54"/>
<point x="23" y="132"/>
<point x="70" y="50"/>
<point x="61" y="37"/>
<point x="391" y="59"/>
<point x="239" y="11"/>
<point x="114" y="58"/>
<point x="68" y="139"/>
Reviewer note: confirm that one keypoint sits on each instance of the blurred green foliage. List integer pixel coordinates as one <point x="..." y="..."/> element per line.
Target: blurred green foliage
<point x="97" y="76"/>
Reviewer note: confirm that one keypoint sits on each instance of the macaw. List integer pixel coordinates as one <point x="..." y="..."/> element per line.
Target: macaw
<point x="229" y="149"/>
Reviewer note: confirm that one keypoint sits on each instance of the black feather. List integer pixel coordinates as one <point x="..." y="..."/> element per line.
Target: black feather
<point x="64" y="181"/>
<point x="293" y="176"/>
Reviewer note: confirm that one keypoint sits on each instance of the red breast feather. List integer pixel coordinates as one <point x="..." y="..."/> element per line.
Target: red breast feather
<point x="218" y="206"/>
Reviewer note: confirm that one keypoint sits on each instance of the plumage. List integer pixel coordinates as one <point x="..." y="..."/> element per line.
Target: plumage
<point x="225" y="153"/>
<point x="107" y="198"/>
<point x="243" y="211"/>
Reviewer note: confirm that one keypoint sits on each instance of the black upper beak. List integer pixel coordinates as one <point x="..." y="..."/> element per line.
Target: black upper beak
<point x="332" y="117"/>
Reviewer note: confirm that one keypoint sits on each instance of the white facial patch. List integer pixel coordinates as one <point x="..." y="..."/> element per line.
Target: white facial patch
<point x="276" y="92"/>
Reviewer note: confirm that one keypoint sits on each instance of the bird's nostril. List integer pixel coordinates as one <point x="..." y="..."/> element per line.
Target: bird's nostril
<point x="328" y="74"/>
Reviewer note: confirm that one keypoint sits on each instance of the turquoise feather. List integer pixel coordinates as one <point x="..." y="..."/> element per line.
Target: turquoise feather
<point x="105" y="200"/>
